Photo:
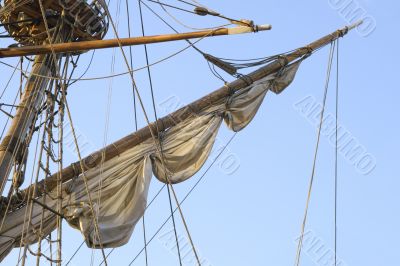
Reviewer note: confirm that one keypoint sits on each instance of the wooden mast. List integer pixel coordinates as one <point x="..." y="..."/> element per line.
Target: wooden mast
<point x="172" y="119"/>
<point x="14" y="142"/>
<point x="101" y="44"/>
<point x="48" y="28"/>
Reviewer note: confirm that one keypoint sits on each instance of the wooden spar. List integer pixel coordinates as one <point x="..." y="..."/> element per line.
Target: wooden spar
<point x="101" y="44"/>
<point x="172" y="119"/>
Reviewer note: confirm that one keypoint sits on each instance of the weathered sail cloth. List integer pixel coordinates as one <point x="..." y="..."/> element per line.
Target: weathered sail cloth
<point x="119" y="187"/>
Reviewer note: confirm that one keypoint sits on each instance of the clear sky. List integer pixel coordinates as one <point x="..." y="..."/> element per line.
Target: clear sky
<point x="251" y="212"/>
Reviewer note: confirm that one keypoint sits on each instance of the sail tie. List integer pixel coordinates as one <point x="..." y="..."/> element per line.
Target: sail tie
<point x="227" y="67"/>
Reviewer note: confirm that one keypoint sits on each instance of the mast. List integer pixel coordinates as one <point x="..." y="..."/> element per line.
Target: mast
<point x="33" y="23"/>
<point x="174" y="118"/>
<point x="14" y="144"/>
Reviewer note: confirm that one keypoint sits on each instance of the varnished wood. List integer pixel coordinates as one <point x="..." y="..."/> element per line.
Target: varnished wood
<point x="101" y="44"/>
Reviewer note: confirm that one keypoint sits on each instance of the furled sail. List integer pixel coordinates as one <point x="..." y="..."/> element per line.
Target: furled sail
<point x="119" y="186"/>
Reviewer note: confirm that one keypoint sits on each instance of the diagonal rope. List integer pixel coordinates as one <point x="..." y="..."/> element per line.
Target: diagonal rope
<point x="155" y="112"/>
<point x="156" y="118"/>
<point x="300" y="244"/>
<point x="188" y="194"/>
<point x="183" y="200"/>
<point x="84" y="177"/>
<point x="159" y="61"/>
<point x="169" y="186"/>
<point x="157" y="145"/>
<point x="73" y="130"/>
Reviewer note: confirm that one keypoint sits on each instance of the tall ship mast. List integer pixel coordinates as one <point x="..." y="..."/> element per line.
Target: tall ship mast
<point x="104" y="195"/>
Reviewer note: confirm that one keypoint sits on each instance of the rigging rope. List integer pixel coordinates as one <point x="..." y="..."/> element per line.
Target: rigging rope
<point x="300" y="243"/>
<point x="160" y="142"/>
<point x="181" y="202"/>
<point x="155" y="115"/>
<point x="84" y="72"/>
<point x="159" y="148"/>
<point x="32" y="195"/>
<point x="8" y="82"/>
<point x="184" y="24"/>
<point x="187" y="194"/>
<point x="96" y="226"/>
<point x="48" y="129"/>
<point x="23" y="76"/>
<point x="107" y="120"/>
<point x="336" y="146"/>
<point x="171" y="6"/>
<point x="97" y="231"/>
<point x="115" y="75"/>
<point x="212" y="69"/>
<point x="19" y="143"/>
<point x="35" y="95"/>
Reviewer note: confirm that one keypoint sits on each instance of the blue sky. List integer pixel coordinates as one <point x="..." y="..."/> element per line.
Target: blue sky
<point x="252" y="215"/>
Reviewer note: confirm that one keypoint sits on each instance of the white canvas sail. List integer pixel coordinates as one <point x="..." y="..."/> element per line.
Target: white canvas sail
<point x="119" y="186"/>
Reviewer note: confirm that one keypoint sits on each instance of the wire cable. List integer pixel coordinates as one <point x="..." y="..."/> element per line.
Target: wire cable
<point x="336" y="146"/>
<point x="300" y="244"/>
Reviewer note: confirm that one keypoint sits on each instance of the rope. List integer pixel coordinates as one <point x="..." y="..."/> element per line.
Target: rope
<point x="300" y="244"/>
<point x="187" y="194"/>
<point x="47" y="128"/>
<point x="160" y="143"/>
<point x="336" y="145"/>
<point x="84" y="72"/>
<point x="115" y="75"/>
<point x="9" y="202"/>
<point x="131" y="63"/>
<point x="212" y="68"/>
<point x="32" y="196"/>
<point x="24" y="123"/>
<point x="8" y="82"/>
<point x="19" y="143"/>
<point x="169" y="25"/>
<point x="61" y="114"/>
<point x="181" y="202"/>
<point x="182" y="23"/>
<point x="155" y="112"/>
<point x="182" y="1"/>
<point x="29" y="196"/>
<point x="169" y="186"/>
<point x="10" y="111"/>
<point x="159" y="149"/>
<point x="73" y="131"/>
<point x="84" y="177"/>
<point x="171" y="6"/>
<point x="76" y="252"/>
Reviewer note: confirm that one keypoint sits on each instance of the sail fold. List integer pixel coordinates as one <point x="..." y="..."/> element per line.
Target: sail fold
<point x="119" y="187"/>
